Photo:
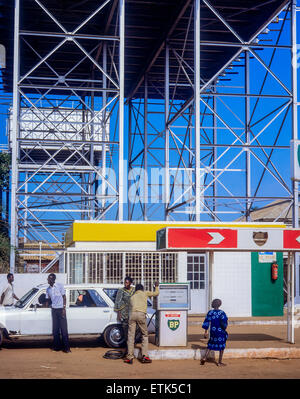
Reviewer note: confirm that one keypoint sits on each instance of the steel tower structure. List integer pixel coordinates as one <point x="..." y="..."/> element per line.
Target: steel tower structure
<point x="61" y="117"/>
<point x="221" y="148"/>
<point x="209" y="112"/>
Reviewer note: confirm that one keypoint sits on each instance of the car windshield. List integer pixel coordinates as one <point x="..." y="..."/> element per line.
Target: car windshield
<point x="22" y="302"/>
<point x="111" y="293"/>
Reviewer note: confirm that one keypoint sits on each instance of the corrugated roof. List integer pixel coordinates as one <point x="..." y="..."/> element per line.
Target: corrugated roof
<point x="148" y="25"/>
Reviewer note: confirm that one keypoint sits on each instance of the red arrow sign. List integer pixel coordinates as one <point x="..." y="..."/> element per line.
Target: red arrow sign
<point x="201" y="238"/>
<point x="291" y="239"/>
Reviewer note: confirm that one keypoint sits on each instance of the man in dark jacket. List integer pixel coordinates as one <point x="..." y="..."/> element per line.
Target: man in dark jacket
<point x="122" y="303"/>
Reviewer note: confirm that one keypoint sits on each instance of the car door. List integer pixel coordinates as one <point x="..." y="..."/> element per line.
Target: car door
<point x="88" y="312"/>
<point x="35" y="319"/>
<point x="11" y="319"/>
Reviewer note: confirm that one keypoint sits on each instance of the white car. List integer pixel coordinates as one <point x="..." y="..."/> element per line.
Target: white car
<point x="90" y="310"/>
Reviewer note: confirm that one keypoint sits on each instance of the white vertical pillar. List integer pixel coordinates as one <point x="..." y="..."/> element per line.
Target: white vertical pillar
<point x="129" y="149"/>
<point x="14" y="149"/>
<point x="104" y="99"/>
<point x="145" y="196"/>
<point x="104" y="257"/>
<point x="295" y="137"/>
<point x="247" y="119"/>
<point x="215" y="153"/>
<point x="167" y="143"/>
<point x="182" y="266"/>
<point x="290" y="299"/>
<point x="209" y="279"/>
<point x="26" y="204"/>
<point x="197" y="103"/>
<point x="121" y="107"/>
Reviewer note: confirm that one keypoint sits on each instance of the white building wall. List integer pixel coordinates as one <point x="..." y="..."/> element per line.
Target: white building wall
<point x="23" y="282"/>
<point x="182" y="267"/>
<point x="231" y="282"/>
<point x="113" y="246"/>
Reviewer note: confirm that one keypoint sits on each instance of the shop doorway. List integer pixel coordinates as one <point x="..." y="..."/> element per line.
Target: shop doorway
<point x="197" y="276"/>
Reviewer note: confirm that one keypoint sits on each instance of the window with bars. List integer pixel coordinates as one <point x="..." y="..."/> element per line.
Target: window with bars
<point x="133" y="263"/>
<point x="196" y="271"/>
<point x="95" y="267"/>
<point x="112" y="267"/>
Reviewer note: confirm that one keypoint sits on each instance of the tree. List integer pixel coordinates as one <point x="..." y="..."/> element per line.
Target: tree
<point x="5" y="160"/>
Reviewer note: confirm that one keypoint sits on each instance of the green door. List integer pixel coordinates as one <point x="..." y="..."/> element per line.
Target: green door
<point x="267" y="295"/>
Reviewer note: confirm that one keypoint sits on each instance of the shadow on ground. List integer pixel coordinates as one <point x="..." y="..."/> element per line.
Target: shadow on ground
<point x="27" y="343"/>
<point x="239" y="337"/>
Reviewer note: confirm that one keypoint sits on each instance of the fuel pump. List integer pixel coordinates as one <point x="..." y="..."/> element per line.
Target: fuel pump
<point x="172" y="305"/>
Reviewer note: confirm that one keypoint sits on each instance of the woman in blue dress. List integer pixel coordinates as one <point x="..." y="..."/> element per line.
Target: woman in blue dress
<point x="218" y="321"/>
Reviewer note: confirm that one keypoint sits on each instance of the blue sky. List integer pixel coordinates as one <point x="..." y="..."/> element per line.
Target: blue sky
<point x="281" y="66"/>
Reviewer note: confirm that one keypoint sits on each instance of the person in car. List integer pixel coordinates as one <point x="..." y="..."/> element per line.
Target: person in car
<point x="85" y="299"/>
<point x="122" y="303"/>
<point x="138" y="314"/>
<point x="43" y="301"/>
<point x="57" y="294"/>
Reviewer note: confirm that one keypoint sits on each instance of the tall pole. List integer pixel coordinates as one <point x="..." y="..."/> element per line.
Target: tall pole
<point x="14" y="149"/>
<point x="197" y="103"/>
<point x="145" y="196"/>
<point x="247" y="136"/>
<point x="104" y="100"/>
<point x="129" y="148"/>
<point x="215" y="154"/>
<point x="167" y="142"/>
<point x="291" y="278"/>
<point x="121" y="107"/>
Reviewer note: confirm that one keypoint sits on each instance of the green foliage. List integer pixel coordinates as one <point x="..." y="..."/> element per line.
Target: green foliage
<point x="4" y="253"/>
<point x="5" y="160"/>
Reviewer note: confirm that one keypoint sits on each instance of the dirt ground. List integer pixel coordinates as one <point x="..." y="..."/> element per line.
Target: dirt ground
<point x="28" y="360"/>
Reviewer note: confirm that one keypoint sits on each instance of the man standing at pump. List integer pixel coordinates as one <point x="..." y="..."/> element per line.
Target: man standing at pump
<point x="137" y="316"/>
<point x="122" y="305"/>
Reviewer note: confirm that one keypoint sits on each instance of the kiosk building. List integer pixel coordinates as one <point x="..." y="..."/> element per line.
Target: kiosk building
<point x="108" y="251"/>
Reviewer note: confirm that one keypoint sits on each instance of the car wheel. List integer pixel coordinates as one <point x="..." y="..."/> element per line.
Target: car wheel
<point x="114" y="336"/>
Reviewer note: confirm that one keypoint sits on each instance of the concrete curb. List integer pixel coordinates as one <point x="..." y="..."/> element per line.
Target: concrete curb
<point x="196" y="354"/>
<point x="251" y="322"/>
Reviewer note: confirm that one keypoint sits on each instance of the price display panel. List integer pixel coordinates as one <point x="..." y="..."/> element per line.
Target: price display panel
<point x="174" y="296"/>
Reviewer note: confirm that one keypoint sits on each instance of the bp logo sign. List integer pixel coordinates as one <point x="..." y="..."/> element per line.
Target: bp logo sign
<point x="173" y="324"/>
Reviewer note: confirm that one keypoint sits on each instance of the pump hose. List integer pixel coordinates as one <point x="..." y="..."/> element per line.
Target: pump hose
<point x="114" y="354"/>
<point x="151" y="319"/>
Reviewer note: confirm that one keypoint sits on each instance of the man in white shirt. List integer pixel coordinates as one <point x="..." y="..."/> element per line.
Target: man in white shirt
<point x="8" y="295"/>
<point x="57" y="294"/>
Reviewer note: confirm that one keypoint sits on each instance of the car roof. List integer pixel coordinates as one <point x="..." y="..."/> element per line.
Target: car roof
<point x="83" y="285"/>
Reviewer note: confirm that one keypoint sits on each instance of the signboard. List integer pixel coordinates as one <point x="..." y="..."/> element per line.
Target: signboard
<point x="266" y="257"/>
<point x="194" y="238"/>
<point x="231" y="239"/>
<point x="173" y="296"/>
<point x="32" y="268"/>
<point x="291" y="239"/>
